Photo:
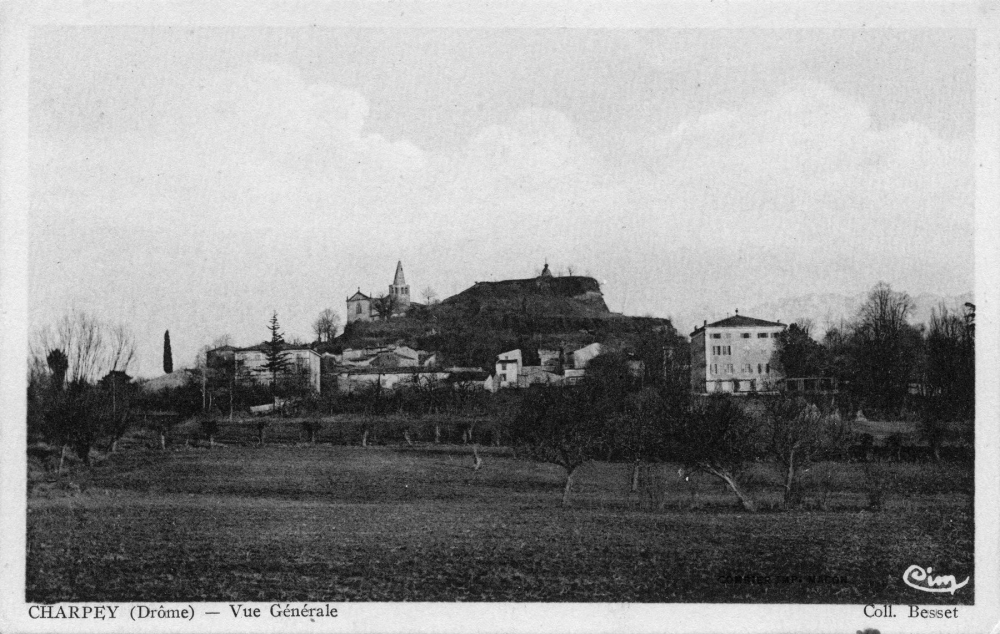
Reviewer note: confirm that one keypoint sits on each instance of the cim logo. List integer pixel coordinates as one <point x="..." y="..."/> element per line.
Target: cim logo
<point x="921" y="579"/>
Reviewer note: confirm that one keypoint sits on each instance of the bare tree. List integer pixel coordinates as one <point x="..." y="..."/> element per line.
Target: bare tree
<point x="222" y="340"/>
<point x="885" y="343"/>
<point x="201" y="359"/>
<point x="716" y="436"/>
<point x="558" y="425"/>
<point x="92" y="347"/>
<point x="78" y="350"/>
<point x="429" y="295"/>
<point x="326" y="325"/>
<point x="121" y="347"/>
<point x="799" y="432"/>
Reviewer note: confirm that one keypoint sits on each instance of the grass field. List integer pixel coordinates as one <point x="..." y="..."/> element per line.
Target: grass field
<point x="395" y="523"/>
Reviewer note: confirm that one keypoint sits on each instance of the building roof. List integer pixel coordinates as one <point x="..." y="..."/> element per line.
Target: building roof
<point x="739" y="321"/>
<point x="399" y="279"/>
<point x="386" y="371"/>
<point x="287" y="347"/>
<point x="358" y="295"/>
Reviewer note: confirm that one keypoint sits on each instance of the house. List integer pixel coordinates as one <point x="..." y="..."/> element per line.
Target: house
<point x="581" y="357"/>
<point x="551" y="360"/>
<point x="556" y="368"/>
<point x="351" y="380"/>
<point x="508" y="366"/>
<point x="382" y="357"/>
<point x="249" y="364"/>
<point x="735" y="355"/>
<point x="467" y="378"/>
<point x="537" y="375"/>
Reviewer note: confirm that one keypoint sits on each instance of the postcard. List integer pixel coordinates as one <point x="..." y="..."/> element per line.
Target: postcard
<point x="516" y="317"/>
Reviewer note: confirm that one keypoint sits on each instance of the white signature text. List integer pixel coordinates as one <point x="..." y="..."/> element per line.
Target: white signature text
<point x="920" y="578"/>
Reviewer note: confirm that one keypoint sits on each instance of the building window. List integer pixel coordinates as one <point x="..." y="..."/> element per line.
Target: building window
<point x="762" y="335"/>
<point x="767" y="368"/>
<point x="357" y="310"/>
<point x="745" y="335"/>
<point x="774" y="335"/>
<point x="716" y="335"/>
<point x="759" y="368"/>
<point x="715" y="368"/>
<point x="729" y="368"/>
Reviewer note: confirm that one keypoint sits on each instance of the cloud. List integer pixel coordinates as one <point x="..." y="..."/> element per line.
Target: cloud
<point x="810" y="162"/>
<point x="534" y="148"/>
<point x="263" y="189"/>
<point x="269" y="111"/>
<point x="234" y="148"/>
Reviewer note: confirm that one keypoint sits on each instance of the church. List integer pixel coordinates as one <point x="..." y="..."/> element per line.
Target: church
<point x="361" y="307"/>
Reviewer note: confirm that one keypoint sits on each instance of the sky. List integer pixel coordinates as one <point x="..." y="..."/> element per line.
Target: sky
<point x="199" y="179"/>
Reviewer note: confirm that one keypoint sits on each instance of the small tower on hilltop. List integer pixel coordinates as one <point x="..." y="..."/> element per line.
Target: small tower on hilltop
<point x="399" y="290"/>
<point x="545" y="271"/>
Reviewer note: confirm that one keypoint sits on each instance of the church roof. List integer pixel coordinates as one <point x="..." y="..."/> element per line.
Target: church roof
<point x="399" y="280"/>
<point x="357" y="296"/>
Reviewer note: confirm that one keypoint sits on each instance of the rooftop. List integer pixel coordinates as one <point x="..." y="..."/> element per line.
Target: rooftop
<point x="740" y="321"/>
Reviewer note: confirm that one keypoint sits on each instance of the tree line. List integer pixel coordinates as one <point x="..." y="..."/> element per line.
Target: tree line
<point x="888" y="367"/>
<point x="80" y="396"/>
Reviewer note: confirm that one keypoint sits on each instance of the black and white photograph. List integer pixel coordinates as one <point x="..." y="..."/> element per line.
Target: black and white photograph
<point x="417" y="317"/>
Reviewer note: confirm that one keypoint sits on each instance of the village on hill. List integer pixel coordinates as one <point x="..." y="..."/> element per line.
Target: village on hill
<point x="516" y="333"/>
<point x="491" y="336"/>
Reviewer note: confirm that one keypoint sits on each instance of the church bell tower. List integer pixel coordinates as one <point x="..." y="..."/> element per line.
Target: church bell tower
<point x="399" y="290"/>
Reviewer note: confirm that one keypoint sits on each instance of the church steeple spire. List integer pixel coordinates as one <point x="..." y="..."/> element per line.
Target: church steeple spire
<point x="399" y="289"/>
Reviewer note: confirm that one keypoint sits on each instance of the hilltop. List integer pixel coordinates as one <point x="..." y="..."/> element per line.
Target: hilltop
<point x="571" y="296"/>
<point x="471" y="327"/>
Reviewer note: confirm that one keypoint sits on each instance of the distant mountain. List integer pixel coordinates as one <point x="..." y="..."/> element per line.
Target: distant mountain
<point x="829" y="309"/>
<point x="824" y="309"/>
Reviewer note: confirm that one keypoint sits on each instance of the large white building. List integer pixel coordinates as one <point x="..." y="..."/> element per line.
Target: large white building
<point x="735" y="355"/>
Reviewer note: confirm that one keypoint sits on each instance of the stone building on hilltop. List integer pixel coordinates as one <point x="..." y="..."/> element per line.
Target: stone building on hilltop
<point x="362" y="307"/>
<point x="398" y="290"/>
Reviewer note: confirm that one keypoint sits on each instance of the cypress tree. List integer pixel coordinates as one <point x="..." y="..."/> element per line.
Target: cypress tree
<point x="168" y="358"/>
